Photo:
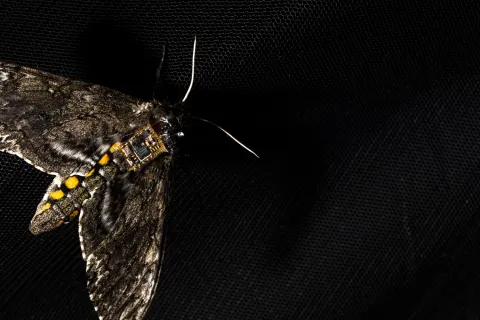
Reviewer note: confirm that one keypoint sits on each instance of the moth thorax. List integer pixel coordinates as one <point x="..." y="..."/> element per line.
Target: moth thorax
<point x="144" y="146"/>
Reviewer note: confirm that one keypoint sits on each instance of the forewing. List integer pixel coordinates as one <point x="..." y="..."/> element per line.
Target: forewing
<point x="51" y="121"/>
<point x="123" y="268"/>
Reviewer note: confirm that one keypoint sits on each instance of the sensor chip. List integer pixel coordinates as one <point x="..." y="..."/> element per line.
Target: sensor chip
<point x="142" y="148"/>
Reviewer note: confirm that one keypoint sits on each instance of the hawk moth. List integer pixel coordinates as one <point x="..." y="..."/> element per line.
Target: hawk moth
<point x="110" y="154"/>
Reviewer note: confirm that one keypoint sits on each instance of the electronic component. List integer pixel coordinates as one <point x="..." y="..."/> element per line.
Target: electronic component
<point x="143" y="147"/>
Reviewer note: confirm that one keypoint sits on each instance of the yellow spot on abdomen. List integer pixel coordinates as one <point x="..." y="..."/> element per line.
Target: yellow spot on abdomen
<point x="56" y="195"/>
<point x="71" y="182"/>
<point x="59" y="223"/>
<point x="104" y="160"/>
<point x="46" y="207"/>
<point x="73" y="215"/>
<point x="90" y="173"/>
<point x="114" y="147"/>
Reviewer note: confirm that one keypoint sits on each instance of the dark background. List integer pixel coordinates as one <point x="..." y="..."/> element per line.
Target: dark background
<point x="365" y="201"/>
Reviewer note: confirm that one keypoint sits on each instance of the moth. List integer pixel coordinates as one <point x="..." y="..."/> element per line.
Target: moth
<point x="111" y="155"/>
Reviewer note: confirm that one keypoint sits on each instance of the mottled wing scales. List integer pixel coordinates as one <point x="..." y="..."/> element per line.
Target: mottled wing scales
<point x="99" y="213"/>
<point x="123" y="268"/>
<point x="89" y="224"/>
<point x="61" y="126"/>
<point x="50" y="120"/>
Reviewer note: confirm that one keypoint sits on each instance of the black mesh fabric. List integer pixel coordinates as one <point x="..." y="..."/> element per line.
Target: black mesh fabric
<point x="365" y="201"/>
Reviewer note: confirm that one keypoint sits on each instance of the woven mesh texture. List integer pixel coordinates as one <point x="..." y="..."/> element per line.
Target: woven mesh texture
<point x="365" y="201"/>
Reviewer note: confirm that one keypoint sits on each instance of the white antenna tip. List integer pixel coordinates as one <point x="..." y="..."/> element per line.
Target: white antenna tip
<point x="193" y="69"/>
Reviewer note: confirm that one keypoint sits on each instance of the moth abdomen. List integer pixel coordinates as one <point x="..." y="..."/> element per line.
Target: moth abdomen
<point x="63" y="203"/>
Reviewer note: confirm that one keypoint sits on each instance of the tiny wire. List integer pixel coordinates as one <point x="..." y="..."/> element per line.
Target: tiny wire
<point x="193" y="69"/>
<point x="228" y="134"/>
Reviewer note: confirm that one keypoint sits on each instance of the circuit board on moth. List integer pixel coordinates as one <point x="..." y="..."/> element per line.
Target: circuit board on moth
<point x="142" y="147"/>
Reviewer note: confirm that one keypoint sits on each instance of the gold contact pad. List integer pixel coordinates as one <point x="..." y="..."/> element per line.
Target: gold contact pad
<point x="136" y="148"/>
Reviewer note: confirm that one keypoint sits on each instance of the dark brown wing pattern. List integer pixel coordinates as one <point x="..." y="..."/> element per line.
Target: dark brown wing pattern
<point x="56" y="123"/>
<point x="123" y="269"/>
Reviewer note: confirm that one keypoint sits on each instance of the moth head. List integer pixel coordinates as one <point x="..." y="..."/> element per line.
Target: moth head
<point x="167" y="120"/>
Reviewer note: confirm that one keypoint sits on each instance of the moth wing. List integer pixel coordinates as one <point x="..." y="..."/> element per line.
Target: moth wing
<point x="123" y="268"/>
<point x="99" y="213"/>
<point x="52" y="121"/>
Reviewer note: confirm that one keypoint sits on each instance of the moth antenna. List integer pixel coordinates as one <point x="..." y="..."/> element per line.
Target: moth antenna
<point x="228" y="134"/>
<point x="205" y="120"/>
<point x="158" y="73"/>
<point x="193" y="69"/>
